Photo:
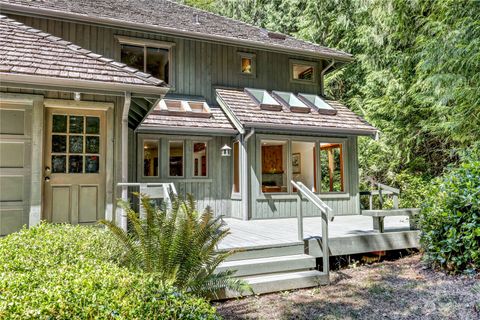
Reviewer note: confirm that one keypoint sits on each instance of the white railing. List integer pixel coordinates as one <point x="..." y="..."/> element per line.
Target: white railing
<point x="151" y="190"/>
<point x="326" y="213"/>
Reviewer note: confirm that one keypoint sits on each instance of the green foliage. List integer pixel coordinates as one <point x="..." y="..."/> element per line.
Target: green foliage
<point x="71" y="272"/>
<point x="450" y="219"/>
<point x="177" y="246"/>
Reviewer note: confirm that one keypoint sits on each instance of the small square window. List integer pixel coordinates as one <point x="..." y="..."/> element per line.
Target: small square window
<point x="303" y="71"/>
<point x="247" y="64"/>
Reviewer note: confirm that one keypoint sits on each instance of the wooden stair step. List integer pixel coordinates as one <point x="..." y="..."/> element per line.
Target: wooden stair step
<point x="267" y="251"/>
<point x="249" y="267"/>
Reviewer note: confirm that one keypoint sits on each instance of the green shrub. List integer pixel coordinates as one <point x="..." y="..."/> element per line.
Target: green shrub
<point x="178" y="246"/>
<point x="450" y="220"/>
<point x="71" y="272"/>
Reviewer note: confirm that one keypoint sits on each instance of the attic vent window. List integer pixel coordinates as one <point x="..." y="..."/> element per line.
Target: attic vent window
<point x="263" y="99"/>
<point x="317" y="103"/>
<point x="185" y="108"/>
<point x="289" y="100"/>
<point x="276" y="35"/>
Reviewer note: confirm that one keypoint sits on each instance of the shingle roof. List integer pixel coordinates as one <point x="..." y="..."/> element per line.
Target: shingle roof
<point x="157" y="120"/>
<point x="28" y="51"/>
<point x="170" y="16"/>
<point x="250" y="115"/>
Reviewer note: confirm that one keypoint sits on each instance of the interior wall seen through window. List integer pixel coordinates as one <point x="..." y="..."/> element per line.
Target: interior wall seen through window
<point x="199" y="159"/>
<point x="274" y="166"/>
<point x="150" y="158"/>
<point x="304" y="163"/>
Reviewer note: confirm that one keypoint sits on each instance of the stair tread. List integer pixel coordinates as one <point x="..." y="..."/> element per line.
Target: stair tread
<point x="284" y="276"/>
<point x="244" y="262"/>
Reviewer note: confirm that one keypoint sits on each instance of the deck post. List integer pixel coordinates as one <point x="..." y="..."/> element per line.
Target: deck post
<point x="325" y="252"/>
<point x="299" y="216"/>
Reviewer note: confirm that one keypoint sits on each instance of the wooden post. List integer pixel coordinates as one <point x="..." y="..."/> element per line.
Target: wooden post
<point x="299" y="216"/>
<point x="395" y="201"/>
<point x="325" y="251"/>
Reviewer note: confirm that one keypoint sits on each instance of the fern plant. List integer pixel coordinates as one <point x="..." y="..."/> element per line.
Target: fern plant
<point x="178" y="245"/>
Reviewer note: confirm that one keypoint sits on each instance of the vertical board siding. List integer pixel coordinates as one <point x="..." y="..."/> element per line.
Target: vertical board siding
<point x="198" y="65"/>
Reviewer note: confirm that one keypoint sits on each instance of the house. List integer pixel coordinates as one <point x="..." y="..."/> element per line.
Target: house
<point x="98" y="93"/>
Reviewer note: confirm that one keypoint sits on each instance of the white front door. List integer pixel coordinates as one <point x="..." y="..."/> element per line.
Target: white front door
<point x="75" y="152"/>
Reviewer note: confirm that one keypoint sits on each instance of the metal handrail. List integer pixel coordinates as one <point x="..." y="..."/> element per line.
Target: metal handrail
<point x="327" y="215"/>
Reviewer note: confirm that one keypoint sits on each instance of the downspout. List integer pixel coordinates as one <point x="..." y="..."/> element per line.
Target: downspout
<point x="121" y="214"/>
<point x="245" y="173"/>
<point x="322" y="74"/>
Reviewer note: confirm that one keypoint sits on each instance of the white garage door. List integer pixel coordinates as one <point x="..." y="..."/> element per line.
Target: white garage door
<point x="15" y="165"/>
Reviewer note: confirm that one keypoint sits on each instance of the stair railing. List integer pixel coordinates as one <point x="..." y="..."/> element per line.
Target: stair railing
<point x="326" y="214"/>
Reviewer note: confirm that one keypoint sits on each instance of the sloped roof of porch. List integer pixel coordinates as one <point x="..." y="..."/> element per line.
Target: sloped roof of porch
<point x="243" y="108"/>
<point x="170" y="17"/>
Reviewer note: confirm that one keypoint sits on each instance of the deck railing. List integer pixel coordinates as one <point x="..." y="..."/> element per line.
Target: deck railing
<point x="381" y="191"/>
<point x="327" y="215"/>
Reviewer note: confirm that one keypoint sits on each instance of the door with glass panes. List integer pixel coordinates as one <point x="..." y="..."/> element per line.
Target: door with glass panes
<point x="74" y="166"/>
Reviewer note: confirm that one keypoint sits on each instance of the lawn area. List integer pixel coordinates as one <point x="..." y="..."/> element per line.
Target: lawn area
<point x="400" y="289"/>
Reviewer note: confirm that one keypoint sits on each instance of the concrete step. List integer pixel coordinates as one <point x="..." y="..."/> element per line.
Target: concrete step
<point x="250" y="267"/>
<point x="280" y="282"/>
<point x="268" y="251"/>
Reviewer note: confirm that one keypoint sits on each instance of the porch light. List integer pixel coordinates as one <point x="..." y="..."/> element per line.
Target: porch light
<point x="226" y="151"/>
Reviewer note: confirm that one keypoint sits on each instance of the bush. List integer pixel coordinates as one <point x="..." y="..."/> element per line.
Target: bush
<point x="450" y="220"/>
<point x="71" y="272"/>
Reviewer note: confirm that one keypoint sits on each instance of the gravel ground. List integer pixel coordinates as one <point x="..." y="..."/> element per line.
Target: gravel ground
<point x="400" y="289"/>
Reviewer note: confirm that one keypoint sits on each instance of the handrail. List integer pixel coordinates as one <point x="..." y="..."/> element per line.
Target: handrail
<point x="382" y="190"/>
<point x="327" y="215"/>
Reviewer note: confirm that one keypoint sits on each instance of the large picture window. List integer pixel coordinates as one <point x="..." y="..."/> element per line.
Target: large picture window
<point x="304" y="164"/>
<point x="332" y="167"/>
<point x="274" y="174"/>
<point x="153" y="57"/>
<point x="175" y="158"/>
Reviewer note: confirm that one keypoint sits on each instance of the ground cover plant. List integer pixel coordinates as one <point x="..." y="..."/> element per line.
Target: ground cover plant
<point x="177" y="245"/>
<point x="72" y="272"/>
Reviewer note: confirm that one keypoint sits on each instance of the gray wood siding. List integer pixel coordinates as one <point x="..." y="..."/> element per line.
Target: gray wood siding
<point x="198" y="66"/>
<point x="213" y="191"/>
<point x="285" y="205"/>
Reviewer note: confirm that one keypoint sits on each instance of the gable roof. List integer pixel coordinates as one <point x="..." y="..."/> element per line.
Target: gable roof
<point x="26" y="52"/>
<point x="243" y="108"/>
<point x="172" y="18"/>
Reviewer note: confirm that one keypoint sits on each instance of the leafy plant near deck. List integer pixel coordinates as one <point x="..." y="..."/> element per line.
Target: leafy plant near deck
<point x="450" y="219"/>
<point x="178" y="246"/>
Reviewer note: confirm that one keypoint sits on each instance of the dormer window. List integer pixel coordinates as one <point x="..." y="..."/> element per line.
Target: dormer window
<point x="303" y="71"/>
<point x="247" y="64"/>
<point x="149" y="56"/>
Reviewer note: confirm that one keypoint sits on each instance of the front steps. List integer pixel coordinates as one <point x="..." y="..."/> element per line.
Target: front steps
<point x="273" y="268"/>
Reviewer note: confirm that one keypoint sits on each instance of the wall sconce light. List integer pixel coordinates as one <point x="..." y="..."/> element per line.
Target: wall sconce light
<point x="77" y="96"/>
<point x="226" y="151"/>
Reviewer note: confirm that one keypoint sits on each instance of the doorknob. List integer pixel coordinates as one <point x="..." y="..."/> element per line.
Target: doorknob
<point x="47" y="170"/>
<point x="47" y="179"/>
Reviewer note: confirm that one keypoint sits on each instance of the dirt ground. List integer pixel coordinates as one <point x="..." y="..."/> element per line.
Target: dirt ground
<point x="400" y="289"/>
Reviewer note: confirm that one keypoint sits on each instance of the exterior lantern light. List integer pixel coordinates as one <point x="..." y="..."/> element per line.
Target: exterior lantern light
<point x="226" y="151"/>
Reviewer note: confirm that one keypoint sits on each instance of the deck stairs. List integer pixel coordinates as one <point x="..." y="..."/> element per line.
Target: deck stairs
<point x="274" y="268"/>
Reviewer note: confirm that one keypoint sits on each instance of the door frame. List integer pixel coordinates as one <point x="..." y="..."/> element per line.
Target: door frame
<point x="108" y="107"/>
<point x="35" y="103"/>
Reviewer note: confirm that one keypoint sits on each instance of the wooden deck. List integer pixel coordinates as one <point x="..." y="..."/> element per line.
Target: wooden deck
<point x="347" y="234"/>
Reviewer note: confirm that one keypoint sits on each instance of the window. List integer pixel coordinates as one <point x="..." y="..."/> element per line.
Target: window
<point x="236" y="167"/>
<point x="175" y="158"/>
<point x="274" y="177"/>
<point x="331" y="166"/>
<point x="304" y="165"/>
<point x="75" y="144"/>
<point x="150" y="158"/>
<point x="153" y="57"/>
<point x="199" y="159"/>
<point x="247" y="63"/>
<point x="303" y="71"/>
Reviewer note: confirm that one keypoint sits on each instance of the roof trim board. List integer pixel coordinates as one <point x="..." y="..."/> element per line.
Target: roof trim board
<point x="230" y="114"/>
<point x="16" y="8"/>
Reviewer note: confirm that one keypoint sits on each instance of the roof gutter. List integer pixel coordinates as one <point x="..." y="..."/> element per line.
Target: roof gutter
<point x="78" y="84"/>
<point x="329" y="131"/>
<point x="322" y="75"/>
<point x="170" y="31"/>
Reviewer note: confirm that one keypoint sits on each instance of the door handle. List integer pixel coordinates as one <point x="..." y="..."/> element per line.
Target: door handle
<point x="47" y="179"/>
<point x="47" y="170"/>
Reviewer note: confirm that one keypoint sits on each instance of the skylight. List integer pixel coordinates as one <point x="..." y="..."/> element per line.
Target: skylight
<point x="290" y="101"/>
<point x="318" y="103"/>
<point x="263" y="99"/>
<point x="185" y="108"/>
